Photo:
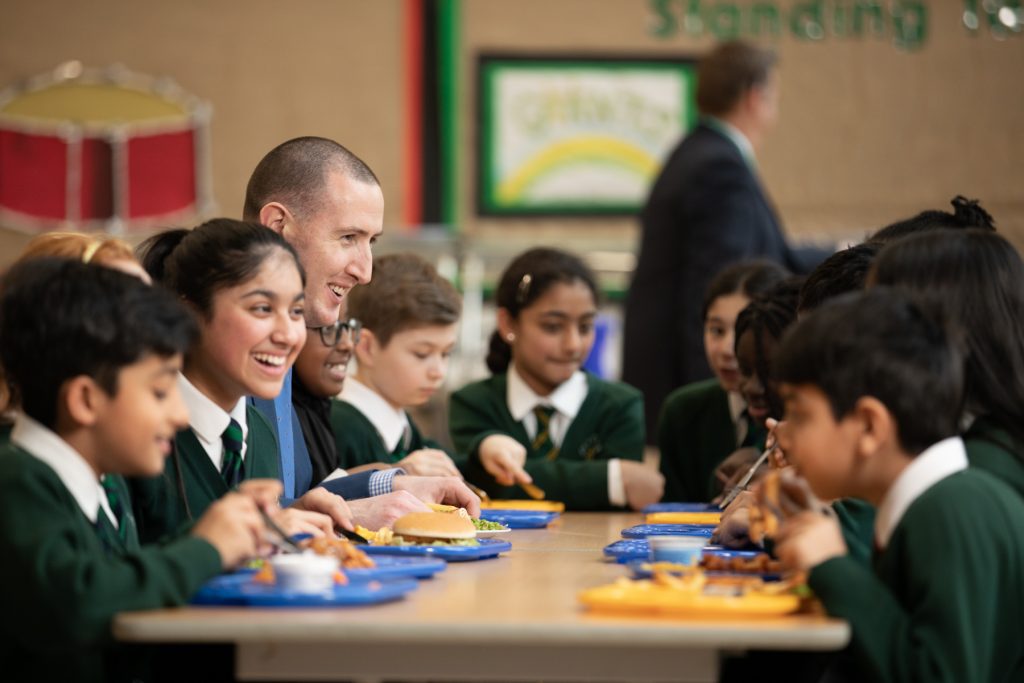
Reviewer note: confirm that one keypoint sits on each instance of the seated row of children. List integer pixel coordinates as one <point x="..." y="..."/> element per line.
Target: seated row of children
<point x="139" y="451"/>
<point x="901" y="407"/>
<point x="538" y="418"/>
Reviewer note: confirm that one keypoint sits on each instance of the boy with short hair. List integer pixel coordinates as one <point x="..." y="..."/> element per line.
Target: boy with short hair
<point x="94" y="355"/>
<point x="873" y="386"/>
<point x="409" y="317"/>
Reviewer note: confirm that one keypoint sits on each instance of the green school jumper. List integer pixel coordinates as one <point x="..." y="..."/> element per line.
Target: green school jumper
<point x="359" y="442"/>
<point x="610" y="424"/>
<point x="944" y="603"/>
<point x="695" y="434"/>
<point x="989" y="448"/>
<point x="61" y="588"/>
<point x="993" y="449"/>
<point x="160" y="508"/>
<point x="857" y="520"/>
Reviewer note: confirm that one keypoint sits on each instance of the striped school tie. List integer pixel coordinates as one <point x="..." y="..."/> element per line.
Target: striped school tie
<point x="401" y="448"/>
<point x="542" y="443"/>
<point x="114" y="539"/>
<point x="232" y="469"/>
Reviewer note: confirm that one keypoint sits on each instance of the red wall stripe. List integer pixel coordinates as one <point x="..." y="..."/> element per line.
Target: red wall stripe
<point x="412" y="205"/>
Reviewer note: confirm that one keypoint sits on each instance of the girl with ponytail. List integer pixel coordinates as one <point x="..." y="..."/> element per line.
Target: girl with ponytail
<point x="540" y="419"/>
<point x="244" y="284"/>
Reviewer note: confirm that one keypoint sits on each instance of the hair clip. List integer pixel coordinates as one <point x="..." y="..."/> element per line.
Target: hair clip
<point x="523" y="290"/>
<point x="91" y="250"/>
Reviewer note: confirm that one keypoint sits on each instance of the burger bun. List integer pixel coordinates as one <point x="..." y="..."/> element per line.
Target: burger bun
<point x="434" y="525"/>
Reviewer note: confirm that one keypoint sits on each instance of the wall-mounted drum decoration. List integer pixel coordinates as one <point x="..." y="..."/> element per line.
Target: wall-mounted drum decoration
<point x="103" y="149"/>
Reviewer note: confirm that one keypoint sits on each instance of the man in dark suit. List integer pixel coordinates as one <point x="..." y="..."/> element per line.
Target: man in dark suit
<point x="706" y="210"/>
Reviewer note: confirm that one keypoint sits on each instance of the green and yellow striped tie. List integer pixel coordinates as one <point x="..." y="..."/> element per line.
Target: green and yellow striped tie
<point x="114" y="539"/>
<point x="543" y="443"/>
<point x="232" y="469"/>
<point x="401" y="448"/>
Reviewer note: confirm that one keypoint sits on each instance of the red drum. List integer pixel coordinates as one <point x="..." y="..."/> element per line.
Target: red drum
<point x="102" y="150"/>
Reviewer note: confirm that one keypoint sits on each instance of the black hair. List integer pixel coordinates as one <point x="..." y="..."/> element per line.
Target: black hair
<point x="749" y="278"/>
<point x="295" y="173"/>
<point x="525" y="280"/>
<point x="770" y="314"/>
<point x="218" y="254"/>
<point x="967" y="213"/>
<point x="978" y="278"/>
<point x="883" y="344"/>
<point x="61" y="319"/>
<point x="842" y="272"/>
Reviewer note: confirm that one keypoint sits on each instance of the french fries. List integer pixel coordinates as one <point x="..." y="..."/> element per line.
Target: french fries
<point x="382" y="536"/>
<point x="349" y="556"/>
<point x="695" y="580"/>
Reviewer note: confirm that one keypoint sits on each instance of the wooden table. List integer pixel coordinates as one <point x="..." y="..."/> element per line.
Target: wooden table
<point x="511" y="618"/>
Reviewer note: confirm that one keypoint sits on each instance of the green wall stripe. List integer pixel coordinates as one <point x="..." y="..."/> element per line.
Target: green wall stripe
<point x="448" y="81"/>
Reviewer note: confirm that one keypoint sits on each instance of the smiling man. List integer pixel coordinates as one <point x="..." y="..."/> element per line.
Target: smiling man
<point x="328" y="204"/>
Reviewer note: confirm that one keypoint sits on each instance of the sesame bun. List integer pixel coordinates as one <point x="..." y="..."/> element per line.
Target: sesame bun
<point x="439" y="525"/>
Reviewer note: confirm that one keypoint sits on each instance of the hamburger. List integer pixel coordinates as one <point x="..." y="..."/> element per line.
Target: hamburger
<point x="434" y="528"/>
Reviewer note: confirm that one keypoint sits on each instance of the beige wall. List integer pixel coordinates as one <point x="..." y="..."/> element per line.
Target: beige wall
<point x="869" y="133"/>
<point x="272" y="70"/>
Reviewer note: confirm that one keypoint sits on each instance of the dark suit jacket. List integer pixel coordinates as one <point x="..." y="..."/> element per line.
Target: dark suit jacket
<point x="706" y="211"/>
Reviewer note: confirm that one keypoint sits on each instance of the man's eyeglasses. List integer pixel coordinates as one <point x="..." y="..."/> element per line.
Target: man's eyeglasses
<point x="330" y="335"/>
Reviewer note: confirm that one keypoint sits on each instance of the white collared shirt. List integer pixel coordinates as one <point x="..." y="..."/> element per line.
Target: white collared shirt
<point x="392" y="424"/>
<point x="566" y="400"/>
<point x="934" y="464"/>
<point x="74" y="472"/>
<point x="736" y="407"/>
<point x="208" y="420"/>
<point x="737" y="137"/>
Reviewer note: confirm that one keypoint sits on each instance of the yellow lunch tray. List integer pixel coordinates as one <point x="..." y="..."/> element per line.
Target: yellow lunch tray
<point x="684" y="518"/>
<point x="646" y="597"/>
<point x="536" y="505"/>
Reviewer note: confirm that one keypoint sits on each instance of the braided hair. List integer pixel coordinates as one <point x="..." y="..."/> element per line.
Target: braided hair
<point x="967" y="214"/>
<point x="766" y="317"/>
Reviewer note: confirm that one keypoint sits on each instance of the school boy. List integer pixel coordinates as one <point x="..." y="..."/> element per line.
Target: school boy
<point x="409" y="317"/>
<point x="93" y="354"/>
<point x="841" y="273"/>
<point x="872" y="386"/>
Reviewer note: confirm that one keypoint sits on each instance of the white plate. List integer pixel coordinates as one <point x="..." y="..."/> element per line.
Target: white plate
<point x="491" y="532"/>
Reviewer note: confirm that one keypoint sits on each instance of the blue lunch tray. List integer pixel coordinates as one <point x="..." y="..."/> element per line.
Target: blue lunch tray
<point x="240" y="590"/>
<point x="397" y="567"/>
<point x="519" y="519"/>
<point x="489" y="547"/>
<point x="641" y="569"/>
<point x="629" y="549"/>
<point x="645" y="530"/>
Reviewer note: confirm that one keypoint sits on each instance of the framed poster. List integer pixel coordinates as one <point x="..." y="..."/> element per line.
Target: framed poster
<point x="577" y="135"/>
